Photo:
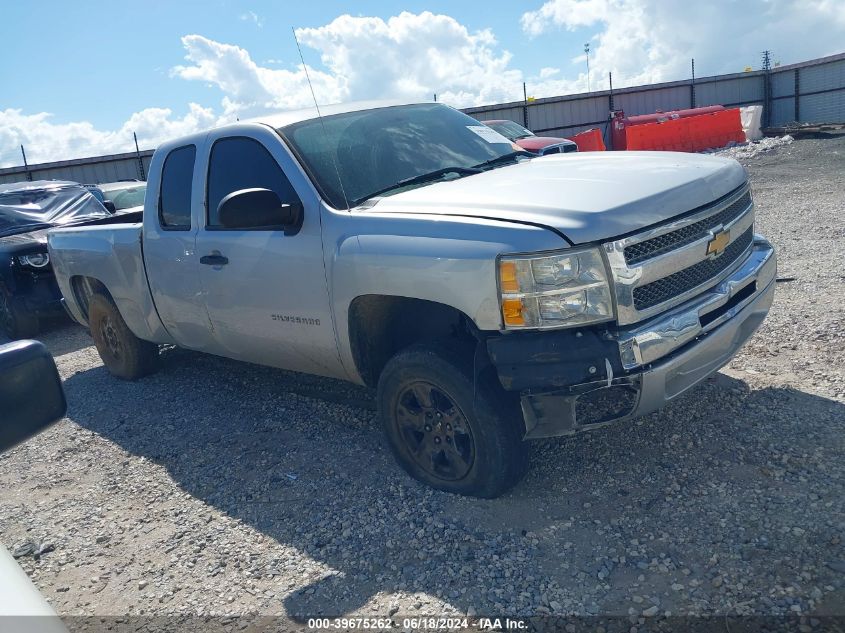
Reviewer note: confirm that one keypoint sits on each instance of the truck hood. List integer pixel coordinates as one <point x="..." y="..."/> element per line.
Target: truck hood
<point x="586" y="197"/>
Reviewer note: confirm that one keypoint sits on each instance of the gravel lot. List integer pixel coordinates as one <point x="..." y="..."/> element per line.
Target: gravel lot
<point x="216" y="487"/>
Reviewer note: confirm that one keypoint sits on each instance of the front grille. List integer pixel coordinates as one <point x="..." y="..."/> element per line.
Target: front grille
<point x="640" y="252"/>
<point x="684" y="280"/>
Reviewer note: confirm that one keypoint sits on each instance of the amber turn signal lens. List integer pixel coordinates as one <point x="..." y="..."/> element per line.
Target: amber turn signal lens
<point x="507" y="277"/>
<point x="512" y="311"/>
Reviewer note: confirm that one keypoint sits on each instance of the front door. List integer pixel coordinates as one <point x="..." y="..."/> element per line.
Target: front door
<point x="265" y="290"/>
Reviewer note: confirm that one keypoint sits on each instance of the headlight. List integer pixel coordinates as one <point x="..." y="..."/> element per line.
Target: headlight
<point x="36" y="260"/>
<point x="549" y="291"/>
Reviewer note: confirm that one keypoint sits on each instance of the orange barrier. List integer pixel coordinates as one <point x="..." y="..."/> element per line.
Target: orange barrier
<point x="691" y="134"/>
<point x="589" y="141"/>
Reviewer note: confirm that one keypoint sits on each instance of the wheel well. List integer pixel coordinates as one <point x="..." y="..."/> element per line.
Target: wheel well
<point x="84" y="288"/>
<point x="380" y="326"/>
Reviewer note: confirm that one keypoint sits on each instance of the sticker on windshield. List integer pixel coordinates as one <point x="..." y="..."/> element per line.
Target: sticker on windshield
<point x="488" y="134"/>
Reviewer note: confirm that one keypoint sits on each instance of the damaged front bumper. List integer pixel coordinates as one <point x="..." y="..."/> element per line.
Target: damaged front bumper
<point x="571" y="381"/>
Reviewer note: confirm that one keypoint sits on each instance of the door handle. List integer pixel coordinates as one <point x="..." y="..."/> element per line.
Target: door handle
<point x="214" y="260"/>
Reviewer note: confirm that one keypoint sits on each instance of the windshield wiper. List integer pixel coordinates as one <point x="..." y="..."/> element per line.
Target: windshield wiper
<point x="502" y="160"/>
<point x="431" y="176"/>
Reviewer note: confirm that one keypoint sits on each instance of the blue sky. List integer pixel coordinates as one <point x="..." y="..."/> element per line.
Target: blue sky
<point x="84" y="75"/>
<point x="102" y="61"/>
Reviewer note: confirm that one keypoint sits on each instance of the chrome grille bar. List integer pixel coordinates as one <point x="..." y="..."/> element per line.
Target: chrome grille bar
<point x="661" y="290"/>
<point x="676" y="262"/>
<point x="642" y="251"/>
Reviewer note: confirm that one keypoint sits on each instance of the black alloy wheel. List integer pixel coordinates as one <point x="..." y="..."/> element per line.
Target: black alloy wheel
<point x="436" y="431"/>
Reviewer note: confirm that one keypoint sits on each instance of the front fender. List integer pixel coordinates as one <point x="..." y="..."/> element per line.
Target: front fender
<point x="451" y="261"/>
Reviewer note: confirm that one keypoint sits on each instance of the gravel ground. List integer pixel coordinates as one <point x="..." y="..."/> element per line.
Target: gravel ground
<point x="216" y="487"/>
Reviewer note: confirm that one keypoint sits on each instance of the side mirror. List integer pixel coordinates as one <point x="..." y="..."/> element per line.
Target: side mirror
<point x="31" y="394"/>
<point x="109" y="205"/>
<point x="257" y="209"/>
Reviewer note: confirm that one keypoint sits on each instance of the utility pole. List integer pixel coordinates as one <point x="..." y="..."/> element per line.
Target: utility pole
<point x="609" y="127"/>
<point x="140" y="161"/>
<point x="525" y="106"/>
<point x="25" y="165"/>
<point x="587" y="53"/>
<point x="767" y="88"/>
<point x="692" y="85"/>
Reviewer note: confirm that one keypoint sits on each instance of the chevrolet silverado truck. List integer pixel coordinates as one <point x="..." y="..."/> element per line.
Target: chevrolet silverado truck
<point x="489" y="297"/>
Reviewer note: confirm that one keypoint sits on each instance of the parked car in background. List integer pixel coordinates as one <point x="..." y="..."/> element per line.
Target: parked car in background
<point x="527" y="140"/>
<point x="125" y="195"/>
<point x="489" y="297"/>
<point x="28" y="290"/>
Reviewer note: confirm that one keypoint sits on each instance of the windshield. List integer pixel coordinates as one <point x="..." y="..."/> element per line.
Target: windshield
<point x="509" y="129"/>
<point x="131" y="196"/>
<point x="375" y="149"/>
<point x="28" y="209"/>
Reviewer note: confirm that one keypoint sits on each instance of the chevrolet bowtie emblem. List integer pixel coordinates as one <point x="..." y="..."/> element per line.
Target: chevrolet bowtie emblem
<point x="718" y="244"/>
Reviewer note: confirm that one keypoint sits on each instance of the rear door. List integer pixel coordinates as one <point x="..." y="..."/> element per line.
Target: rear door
<point x="170" y="233"/>
<point x="268" y="303"/>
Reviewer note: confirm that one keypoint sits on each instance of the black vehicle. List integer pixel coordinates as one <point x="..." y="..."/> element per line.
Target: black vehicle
<point x="28" y="290"/>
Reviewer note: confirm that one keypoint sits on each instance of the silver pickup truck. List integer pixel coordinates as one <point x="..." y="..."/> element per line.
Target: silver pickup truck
<point x="490" y="297"/>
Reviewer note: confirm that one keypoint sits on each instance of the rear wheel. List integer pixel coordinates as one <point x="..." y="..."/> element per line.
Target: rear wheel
<point x="124" y="354"/>
<point x="448" y="429"/>
<point x="15" y="322"/>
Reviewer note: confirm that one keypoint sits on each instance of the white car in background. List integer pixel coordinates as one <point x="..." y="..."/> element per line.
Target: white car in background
<point x="125" y="195"/>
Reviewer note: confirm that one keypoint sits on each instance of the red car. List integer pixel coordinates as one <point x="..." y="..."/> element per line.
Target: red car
<point x="527" y="140"/>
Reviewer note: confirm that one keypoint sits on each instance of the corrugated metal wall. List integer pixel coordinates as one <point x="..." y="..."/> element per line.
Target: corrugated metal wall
<point x="84" y="170"/>
<point x="821" y="99"/>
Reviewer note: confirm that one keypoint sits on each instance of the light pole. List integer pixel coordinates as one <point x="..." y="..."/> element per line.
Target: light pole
<point x="587" y="52"/>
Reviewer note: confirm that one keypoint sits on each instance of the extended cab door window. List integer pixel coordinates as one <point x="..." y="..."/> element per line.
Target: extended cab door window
<point x="169" y="247"/>
<point x="174" y="202"/>
<point x="242" y="163"/>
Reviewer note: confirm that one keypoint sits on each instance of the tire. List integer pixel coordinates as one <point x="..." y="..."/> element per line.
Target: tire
<point x="124" y="354"/>
<point x="15" y="322"/>
<point x="446" y="429"/>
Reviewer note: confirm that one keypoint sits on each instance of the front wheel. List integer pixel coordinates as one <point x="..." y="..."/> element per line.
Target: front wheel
<point x="124" y="354"/>
<point x="448" y="428"/>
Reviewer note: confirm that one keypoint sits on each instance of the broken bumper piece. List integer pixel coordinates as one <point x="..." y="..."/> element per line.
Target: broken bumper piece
<point x="614" y="375"/>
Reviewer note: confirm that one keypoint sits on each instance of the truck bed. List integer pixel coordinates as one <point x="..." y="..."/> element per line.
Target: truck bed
<point x="111" y="254"/>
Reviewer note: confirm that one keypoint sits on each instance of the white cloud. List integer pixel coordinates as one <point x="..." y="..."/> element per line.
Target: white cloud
<point x="644" y="41"/>
<point x="250" y="89"/>
<point x="46" y="141"/>
<point x="409" y="56"/>
<point x="413" y="56"/>
<point x="252" y="16"/>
